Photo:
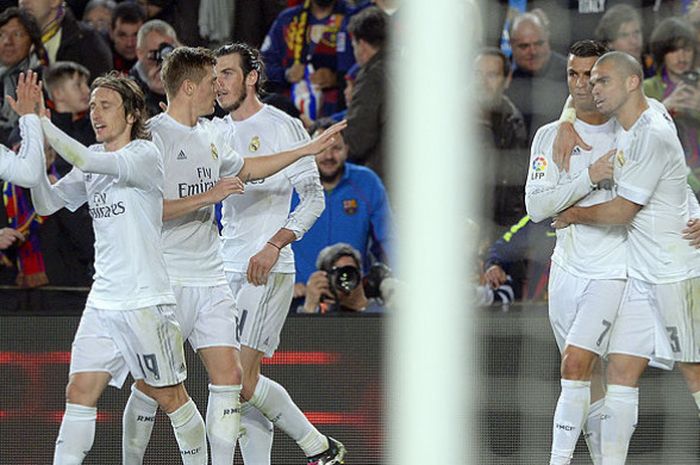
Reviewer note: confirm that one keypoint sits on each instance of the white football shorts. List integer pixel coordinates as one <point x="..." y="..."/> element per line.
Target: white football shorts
<point x="582" y="311"/>
<point x="207" y="316"/>
<point x="146" y="342"/>
<point x="262" y="310"/>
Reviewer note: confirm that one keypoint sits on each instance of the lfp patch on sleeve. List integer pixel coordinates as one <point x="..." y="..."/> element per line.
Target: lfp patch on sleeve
<point x="539" y="167"/>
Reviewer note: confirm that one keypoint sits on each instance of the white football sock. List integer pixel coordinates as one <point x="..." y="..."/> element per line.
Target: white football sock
<point x="137" y="423"/>
<point x="591" y="431"/>
<point x="223" y="422"/>
<point x="617" y="423"/>
<point x="275" y="403"/>
<point x="256" y="436"/>
<point x="569" y="416"/>
<point x="190" y="433"/>
<point x="76" y="435"/>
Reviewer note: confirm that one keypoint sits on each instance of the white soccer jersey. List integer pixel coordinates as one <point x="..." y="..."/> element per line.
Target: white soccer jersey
<point x="592" y="252"/>
<point x="194" y="159"/>
<point x="252" y="219"/>
<point x="127" y="214"/>
<point x="651" y="172"/>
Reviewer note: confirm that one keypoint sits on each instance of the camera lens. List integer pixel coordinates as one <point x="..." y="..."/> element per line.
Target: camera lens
<point x="345" y="278"/>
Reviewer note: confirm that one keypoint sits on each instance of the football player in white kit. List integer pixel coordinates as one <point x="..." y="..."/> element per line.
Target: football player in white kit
<point x="259" y="263"/>
<point x="128" y="325"/>
<point x="200" y="169"/>
<point x="663" y="270"/>
<point x="588" y="270"/>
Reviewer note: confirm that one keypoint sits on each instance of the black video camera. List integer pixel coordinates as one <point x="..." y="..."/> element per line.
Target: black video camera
<point x="691" y="77"/>
<point x="163" y="51"/>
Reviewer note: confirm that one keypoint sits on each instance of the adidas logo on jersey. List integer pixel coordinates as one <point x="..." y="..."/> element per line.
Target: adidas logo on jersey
<point x="181" y="155"/>
<point x="577" y="150"/>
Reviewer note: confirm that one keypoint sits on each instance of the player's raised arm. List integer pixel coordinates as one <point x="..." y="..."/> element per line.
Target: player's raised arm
<point x="567" y="138"/>
<point x="21" y="169"/>
<point x="262" y="167"/>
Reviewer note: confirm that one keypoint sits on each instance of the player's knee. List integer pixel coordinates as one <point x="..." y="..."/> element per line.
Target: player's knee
<point x="576" y="366"/>
<point x="81" y="394"/>
<point x="621" y="374"/>
<point x="170" y="398"/>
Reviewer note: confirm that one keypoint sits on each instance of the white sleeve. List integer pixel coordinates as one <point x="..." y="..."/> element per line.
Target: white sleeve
<point x="546" y="193"/>
<point x="303" y="175"/>
<point x="69" y="192"/>
<point x="24" y="168"/>
<point x="645" y="164"/>
<point x="230" y="161"/>
<point x="693" y="205"/>
<point x="139" y="164"/>
<point x="77" y="154"/>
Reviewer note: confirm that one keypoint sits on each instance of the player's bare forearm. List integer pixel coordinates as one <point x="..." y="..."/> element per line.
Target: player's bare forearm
<point x="175" y="208"/>
<point x="262" y="167"/>
<point x="616" y="211"/>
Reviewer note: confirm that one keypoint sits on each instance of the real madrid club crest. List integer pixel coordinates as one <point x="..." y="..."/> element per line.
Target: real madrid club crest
<point x="214" y="152"/>
<point x="254" y="145"/>
<point x="350" y="206"/>
<point x="539" y="167"/>
<point x="620" y="157"/>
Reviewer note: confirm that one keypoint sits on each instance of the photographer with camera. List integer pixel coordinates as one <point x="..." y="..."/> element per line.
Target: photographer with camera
<point x="338" y="286"/>
<point x="155" y="40"/>
<point x="674" y="49"/>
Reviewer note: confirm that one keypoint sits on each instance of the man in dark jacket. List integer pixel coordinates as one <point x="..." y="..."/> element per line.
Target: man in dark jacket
<point x="367" y="112"/>
<point x="66" y="39"/>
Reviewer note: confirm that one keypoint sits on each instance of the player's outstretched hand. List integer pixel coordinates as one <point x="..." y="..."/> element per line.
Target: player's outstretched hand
<point x="602" y="168"/>
<point x="325" y="139"/>
<point x="692" y="232"/>
<point x="495" y="276"/>
<point x="261" y="263"/>
<point x="9" y="236"/>
<point x="30" y="99"/>
<point x="225" y="187"/>
<point x="566" y="139"/>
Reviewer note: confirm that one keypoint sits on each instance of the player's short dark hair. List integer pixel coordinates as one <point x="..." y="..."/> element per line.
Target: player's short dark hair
<point x="30" y="25"/>
<point x="496" y="52"/>
<point x="670" y="35"/>
<point x="370" y="25"/>
<point x="609" y="25"/>
<point x="186" y="63"/>
<point x="132" y="98"/>
<point x="59" y="72"/>
<point x="588" y="48"/>
<point x="128" y="12"/>
<point x="251" y="60"/>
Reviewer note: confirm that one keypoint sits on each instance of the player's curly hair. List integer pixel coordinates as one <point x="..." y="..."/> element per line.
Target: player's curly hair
<point x="132" y="98"/>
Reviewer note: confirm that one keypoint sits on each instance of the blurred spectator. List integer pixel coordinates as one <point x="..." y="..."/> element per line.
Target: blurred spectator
<point x="503" y="137"/>
<point x="522" y="254"/>
<point x="98" y="14"/>
<point x="538" y="83"/>
<point x="676" y="84"/>
<point x="67" y="86"/>
<point x="253" y="18"/>
<point x="367" y="113"/>
<point x="337" y="285"/>
<point x="302" y="53"/>
<point x="620" y="28"/>
<point x="20" y="49"/>
<point x="155" y="39"/>
<point x="350" y="78"/>
<point x="182" y="15"/>
<point x="357" y="212"/>
<point x="127" y="19"/>
<point x="66" y="39"/>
